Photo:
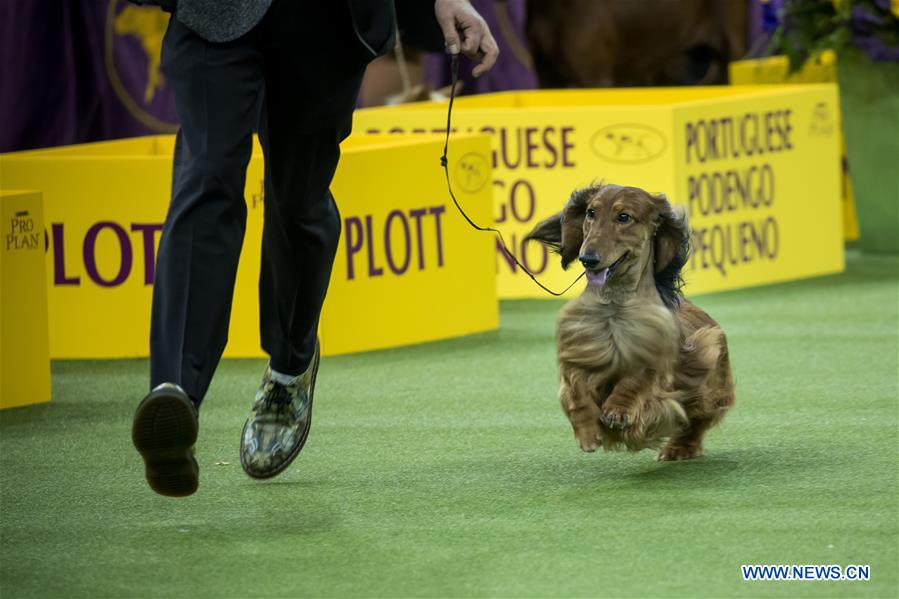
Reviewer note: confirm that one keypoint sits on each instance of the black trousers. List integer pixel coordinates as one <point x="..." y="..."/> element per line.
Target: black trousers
<point x="295" y="77"/>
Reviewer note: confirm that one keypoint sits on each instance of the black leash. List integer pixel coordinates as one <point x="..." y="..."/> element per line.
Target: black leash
<point x="454" y="68"/>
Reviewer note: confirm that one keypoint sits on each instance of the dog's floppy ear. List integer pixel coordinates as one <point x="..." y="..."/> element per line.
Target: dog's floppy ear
<point x="563" y="233"/>
<point x="671" y="248"/>
<point x="672" y="238"/>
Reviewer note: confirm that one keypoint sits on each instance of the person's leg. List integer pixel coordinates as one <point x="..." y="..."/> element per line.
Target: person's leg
<point x="298" y="246"/>
<point x="216" y="88"/>
<point x="313" y="70"/>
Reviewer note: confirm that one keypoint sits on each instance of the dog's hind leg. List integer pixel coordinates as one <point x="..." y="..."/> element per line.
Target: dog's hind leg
<point x="705" y="379"/>
<point x="687" y="444"/>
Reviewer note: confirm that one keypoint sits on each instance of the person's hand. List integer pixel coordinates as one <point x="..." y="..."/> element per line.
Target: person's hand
<point x="466" y="31"/>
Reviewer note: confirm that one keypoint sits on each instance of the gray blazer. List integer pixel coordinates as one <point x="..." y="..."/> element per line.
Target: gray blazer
<point x="225" y="20"/>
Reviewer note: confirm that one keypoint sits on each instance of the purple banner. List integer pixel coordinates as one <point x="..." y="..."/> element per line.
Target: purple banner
<point x="80" y="70"/>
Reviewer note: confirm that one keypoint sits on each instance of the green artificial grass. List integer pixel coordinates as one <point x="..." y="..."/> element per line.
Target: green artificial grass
<point x="448" y="469"/>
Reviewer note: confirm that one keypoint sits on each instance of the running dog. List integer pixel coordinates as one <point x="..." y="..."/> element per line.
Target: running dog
<point x="639" y="365"/>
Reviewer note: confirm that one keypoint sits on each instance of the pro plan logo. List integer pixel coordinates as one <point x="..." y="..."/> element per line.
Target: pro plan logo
<point x="472" y="172"/>
<point x="628" y="143"/>
<point x="822" y="121"/>
<point x="21" y="235"/>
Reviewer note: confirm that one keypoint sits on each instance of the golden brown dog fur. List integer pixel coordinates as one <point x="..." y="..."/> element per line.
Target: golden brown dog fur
<point x="638" y="364"/>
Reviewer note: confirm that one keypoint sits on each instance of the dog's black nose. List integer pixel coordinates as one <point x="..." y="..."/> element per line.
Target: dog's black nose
<point x="589" y="260"/>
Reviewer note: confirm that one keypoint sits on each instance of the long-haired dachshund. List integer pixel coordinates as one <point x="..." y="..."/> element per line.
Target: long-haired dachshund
<point x="638" y="363"/>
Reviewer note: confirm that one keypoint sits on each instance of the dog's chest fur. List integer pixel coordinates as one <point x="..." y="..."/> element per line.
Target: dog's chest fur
<point x="616" y="340"/>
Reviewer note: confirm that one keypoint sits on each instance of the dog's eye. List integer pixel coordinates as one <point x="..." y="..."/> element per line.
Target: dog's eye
<point x="624" y="217"/>
<point x="591" y="213"/>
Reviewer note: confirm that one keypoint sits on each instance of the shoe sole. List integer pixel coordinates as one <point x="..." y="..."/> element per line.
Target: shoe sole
<point x="302" y="442"/>
<point x="164" y="433"/>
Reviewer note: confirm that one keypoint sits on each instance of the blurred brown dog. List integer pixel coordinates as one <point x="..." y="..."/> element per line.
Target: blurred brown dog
<point x="638" y="363"/>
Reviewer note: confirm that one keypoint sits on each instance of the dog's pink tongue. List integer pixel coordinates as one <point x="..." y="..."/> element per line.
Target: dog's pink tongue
<point x="597" y="278"/>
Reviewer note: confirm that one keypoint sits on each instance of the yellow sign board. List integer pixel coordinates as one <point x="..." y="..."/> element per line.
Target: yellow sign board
<point x="776" y="70"/>
<point x="820" y="69"/>
<point x="408" y="269"/>
<point x="24" y="352"/>
<point x="757" y="168"/>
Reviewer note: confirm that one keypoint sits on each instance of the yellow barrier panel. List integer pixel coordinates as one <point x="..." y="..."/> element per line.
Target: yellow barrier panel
<point x="757" y="167"/>
<point x="408" y="270"/>
<point x="24" y="351"/>
<point x="776" y="70"/>
<point x="823" y="69"/>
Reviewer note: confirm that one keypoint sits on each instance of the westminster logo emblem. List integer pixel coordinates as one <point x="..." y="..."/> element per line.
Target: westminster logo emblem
<point x="628" y="143"/>
<point x="134" y="37"/>
<point x="822" y="120"/>
<point x="472" y="172"/>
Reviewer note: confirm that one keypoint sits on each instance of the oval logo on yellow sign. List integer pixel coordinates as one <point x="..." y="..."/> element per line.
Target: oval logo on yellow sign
<point x="628" y="142"/>
<point x="472" y="172"/>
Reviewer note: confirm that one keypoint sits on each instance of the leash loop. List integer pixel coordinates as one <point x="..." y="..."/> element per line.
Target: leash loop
<point x="444" y="162"/>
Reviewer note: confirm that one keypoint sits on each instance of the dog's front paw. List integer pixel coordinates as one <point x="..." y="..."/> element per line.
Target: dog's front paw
<point x="615" y="418"/>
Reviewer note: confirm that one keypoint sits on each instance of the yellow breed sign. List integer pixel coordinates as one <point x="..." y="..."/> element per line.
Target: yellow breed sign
<point x="407" y="269"/>
<point x="756" y="167"/>
<point x="24" y="357"/>
<point x="774" y="70"/>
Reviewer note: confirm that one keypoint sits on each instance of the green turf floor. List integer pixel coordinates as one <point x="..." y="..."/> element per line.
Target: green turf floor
<point x="449" y="470"/>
